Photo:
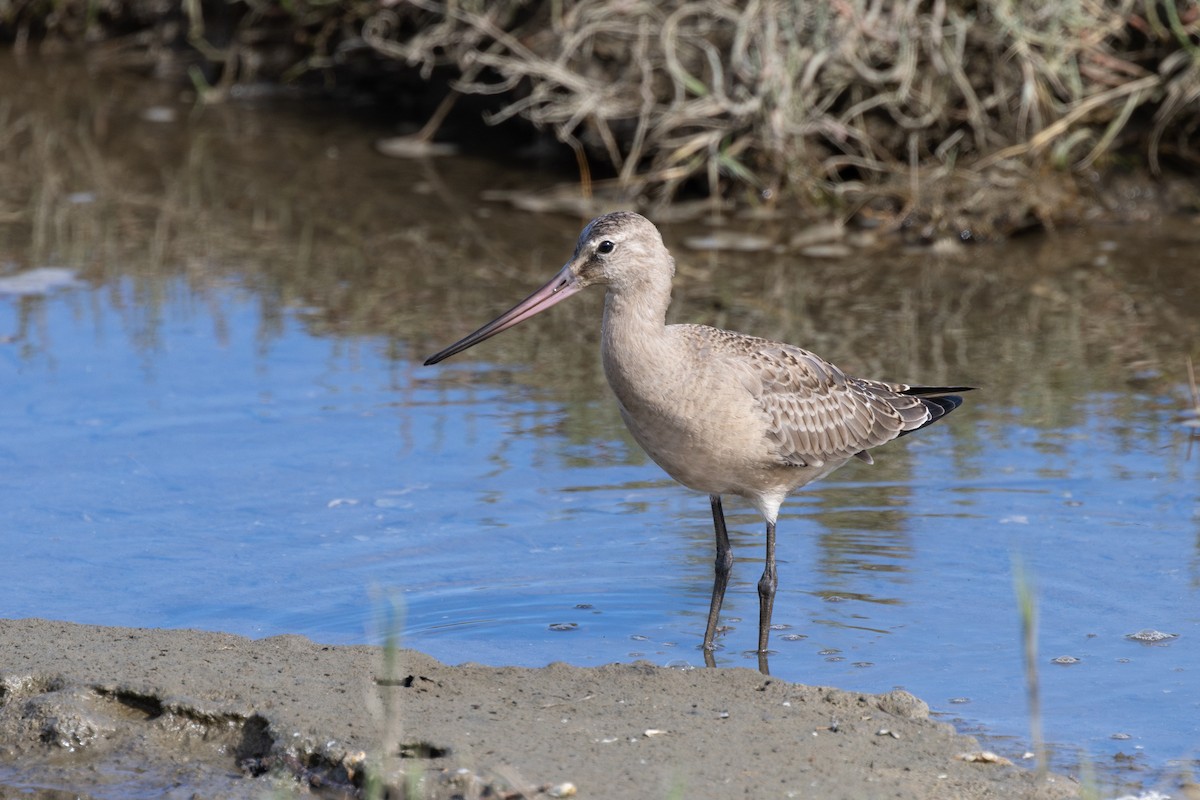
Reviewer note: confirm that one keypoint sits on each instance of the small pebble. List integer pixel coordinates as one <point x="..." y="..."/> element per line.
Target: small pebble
<point x="984" y="757"/>
<point x="1151" y="636"/>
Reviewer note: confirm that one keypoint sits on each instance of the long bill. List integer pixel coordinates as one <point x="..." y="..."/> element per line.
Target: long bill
<point x="559" y="288"/>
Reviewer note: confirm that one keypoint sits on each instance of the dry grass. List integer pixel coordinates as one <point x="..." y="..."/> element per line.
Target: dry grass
<point x="949" y="115"/>
<point x="907" y="108"/>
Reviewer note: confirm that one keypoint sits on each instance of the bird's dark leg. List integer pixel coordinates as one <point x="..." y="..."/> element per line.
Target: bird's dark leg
<point x="721" y="569"/>
<point x="766" y="592"/>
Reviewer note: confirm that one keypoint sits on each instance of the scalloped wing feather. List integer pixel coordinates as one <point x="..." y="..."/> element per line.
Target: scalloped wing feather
<point x="816" y="412"/>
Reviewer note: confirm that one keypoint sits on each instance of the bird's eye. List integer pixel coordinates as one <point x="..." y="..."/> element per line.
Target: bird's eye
<point x="605" y="247"/>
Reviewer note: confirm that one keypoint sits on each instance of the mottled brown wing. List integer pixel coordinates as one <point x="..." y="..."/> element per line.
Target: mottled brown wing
<point x="817" y="413"/>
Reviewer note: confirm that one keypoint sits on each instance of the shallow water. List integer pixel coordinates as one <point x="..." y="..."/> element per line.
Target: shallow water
<point x="215" y="417"/>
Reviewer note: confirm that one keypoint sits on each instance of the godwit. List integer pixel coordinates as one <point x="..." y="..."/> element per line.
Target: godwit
<point x="721" y="412"/>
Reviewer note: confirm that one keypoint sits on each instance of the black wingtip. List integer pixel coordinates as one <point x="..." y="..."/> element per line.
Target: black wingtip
<point x="937" y="400"/>
<point x="922" y="391"/>
<point x="942" y="405"/>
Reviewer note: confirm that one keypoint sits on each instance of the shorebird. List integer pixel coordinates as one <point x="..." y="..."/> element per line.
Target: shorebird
<point x="721" y="412"/>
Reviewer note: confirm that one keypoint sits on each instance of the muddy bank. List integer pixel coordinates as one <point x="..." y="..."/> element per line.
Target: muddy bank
<point x="107" y="712"/>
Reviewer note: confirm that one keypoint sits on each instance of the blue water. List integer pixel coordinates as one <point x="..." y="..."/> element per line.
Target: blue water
<point x="205" y="465"/>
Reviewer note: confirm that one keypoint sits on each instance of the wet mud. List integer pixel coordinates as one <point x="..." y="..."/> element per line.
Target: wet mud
<point x="90" y="711"/>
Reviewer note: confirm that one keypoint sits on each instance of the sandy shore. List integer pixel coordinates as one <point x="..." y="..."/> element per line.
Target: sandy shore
<point x="113" y="712"/>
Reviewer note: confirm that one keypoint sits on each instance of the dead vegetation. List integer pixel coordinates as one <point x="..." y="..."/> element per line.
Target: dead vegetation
<point x="935" y="114"/>
<point x="967" y="117"/>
